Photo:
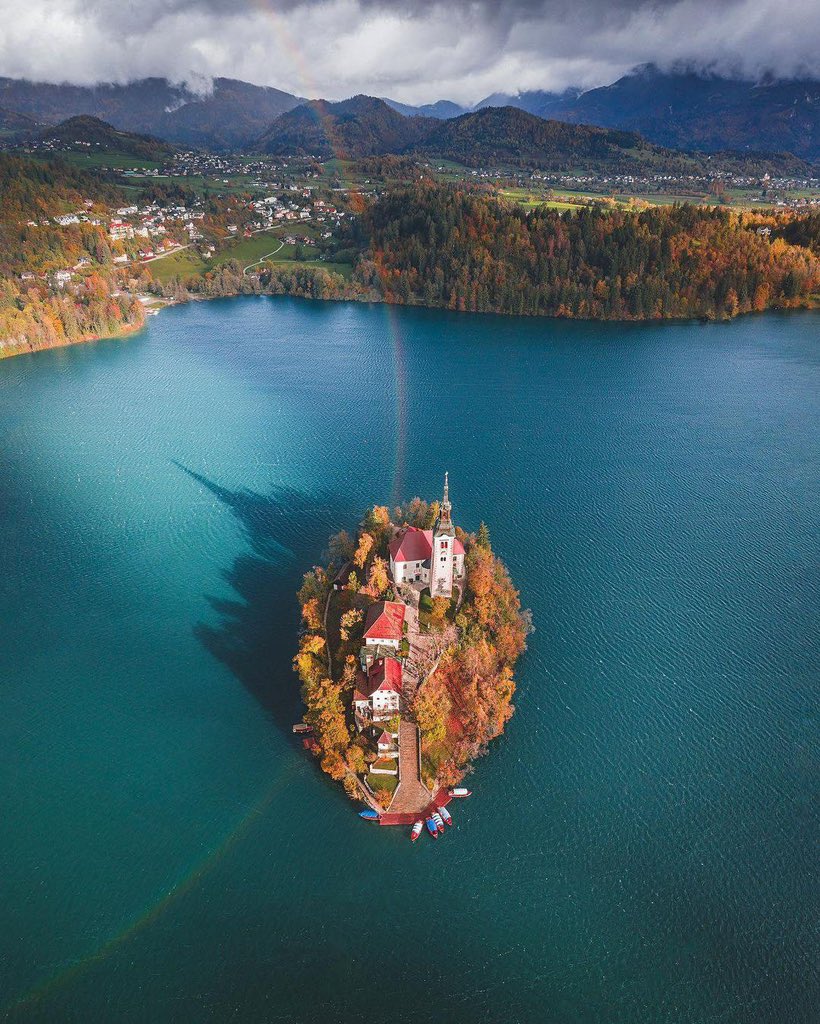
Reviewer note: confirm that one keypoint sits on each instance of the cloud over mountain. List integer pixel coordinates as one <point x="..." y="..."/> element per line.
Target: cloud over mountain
<point x="414" y="50"/>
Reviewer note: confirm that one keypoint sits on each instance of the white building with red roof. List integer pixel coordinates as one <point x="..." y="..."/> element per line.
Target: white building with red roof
<point x="434" y="557"/>
<point x="377" y="695"/>
<point x="385" y="744"/>
<point x="384" y="625"/>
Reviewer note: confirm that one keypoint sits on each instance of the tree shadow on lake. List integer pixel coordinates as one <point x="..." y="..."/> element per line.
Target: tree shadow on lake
<point x="255" y="636"/>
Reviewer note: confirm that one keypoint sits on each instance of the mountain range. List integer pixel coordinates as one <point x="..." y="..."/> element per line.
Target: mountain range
<point x="686" y="110"/>
<point x="226" y="117"/>
<point x="358" y="127"/>
<point x="680" y="108"/>
<point x="490" y="137"/>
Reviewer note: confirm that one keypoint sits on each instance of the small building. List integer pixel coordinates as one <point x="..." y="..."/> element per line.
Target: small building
<point x="342" y="577"/>
<point x="61" y="278"/>
<point x="377" y="695"/>
<point x="385" y="744"/>
<point x="384" y="625"/>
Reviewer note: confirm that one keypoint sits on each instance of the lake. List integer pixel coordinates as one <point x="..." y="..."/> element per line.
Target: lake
<point x="640" y="846"/>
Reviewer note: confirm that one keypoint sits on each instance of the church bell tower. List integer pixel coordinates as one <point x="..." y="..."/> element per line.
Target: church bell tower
<point x="442" y="558"/>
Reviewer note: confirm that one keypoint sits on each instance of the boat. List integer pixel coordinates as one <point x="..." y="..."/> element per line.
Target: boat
<point x="432" y="828"/>
<point x="437" y="818"/>
<point x="301" y="729"/>
<point x="369" y="815"/>
<point x="417" y="830"/>
<point x="459" y="792"/>
<point x="448" y="818"/>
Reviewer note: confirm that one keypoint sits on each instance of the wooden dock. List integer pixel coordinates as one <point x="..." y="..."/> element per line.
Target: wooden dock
<point x="441" y="799"/>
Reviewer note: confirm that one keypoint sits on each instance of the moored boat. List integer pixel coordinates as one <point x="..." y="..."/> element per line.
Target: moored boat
<point x="432" y="828"/>
<point x="301" y="729"/>
<point x="448" y="818"/>
<point x="416" y="831"/>
<point x="369" y="815"/>
<point x="437" y="818"/>
<point x="459" y="792"/>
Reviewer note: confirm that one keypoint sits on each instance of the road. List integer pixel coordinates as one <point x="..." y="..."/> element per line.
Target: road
<point x="169" y="252"/>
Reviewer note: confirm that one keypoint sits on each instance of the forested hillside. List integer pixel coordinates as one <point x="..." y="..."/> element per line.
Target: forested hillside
<point x="90" y="134"/>
<point x="35" y="311"/>
<point x="359" y="127"/>
<point x="463" y="250"/>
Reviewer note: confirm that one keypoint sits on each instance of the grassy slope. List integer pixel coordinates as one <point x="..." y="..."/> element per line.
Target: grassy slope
<point x="246" y="251"/>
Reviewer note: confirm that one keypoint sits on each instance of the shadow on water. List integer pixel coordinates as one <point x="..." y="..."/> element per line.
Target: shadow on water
<point x="255" y="638"/>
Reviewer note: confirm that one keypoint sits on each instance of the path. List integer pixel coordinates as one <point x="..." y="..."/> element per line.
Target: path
<point x="168" y="252"/>
<point x="412" y="796"/>
<point x="262" y="260"/>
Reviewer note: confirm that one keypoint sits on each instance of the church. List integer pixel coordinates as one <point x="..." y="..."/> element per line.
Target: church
<point x="434" y="557"/>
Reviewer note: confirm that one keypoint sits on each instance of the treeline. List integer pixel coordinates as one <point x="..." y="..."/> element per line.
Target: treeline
<point x="34" y="317"/>
<point x="450" y="247"/>
<point x="33" y="188"/>
<point x="456" y="248"/>
<point x="228" y="279"/>
<point x="466" y="702"/>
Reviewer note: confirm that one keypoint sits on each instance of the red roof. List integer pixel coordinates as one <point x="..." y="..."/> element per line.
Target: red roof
<point x="384" y="621"/>
<point x="415" y="545"/>
<point x="384" y="674"/>
<point x="385" y="740"/>
<point x="411" y="545"/>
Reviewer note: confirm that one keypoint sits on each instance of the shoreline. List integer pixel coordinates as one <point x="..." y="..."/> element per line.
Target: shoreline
<point x="9" y="352"/>
<point x="161" y="302"/>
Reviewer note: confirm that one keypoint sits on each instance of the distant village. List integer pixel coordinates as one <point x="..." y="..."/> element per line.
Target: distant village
<point x="142" y="233"/>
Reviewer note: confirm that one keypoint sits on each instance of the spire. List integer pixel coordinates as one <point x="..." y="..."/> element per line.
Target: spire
<point x="446" y="507"/>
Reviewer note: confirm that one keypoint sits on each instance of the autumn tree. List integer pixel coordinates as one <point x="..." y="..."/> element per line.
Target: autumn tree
<point x="378" y="579"/>
<point x="432" y="708"/>
<point x="349" y="623"/>
<point x="438" y="612"/>
<point x="377" y="524"/>
<point x="363" y="550"/>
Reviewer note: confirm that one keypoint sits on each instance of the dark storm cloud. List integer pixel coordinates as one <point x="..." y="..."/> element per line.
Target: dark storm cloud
<point x="415" y="51"/>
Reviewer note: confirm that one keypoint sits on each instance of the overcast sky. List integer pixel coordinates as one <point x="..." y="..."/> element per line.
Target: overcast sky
<point x="413" y="50"/>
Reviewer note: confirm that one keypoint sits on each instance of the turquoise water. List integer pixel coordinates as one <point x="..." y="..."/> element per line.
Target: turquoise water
<point x="639" y="848"/>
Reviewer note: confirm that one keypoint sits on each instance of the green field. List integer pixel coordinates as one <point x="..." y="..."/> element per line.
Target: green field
<point x="182" y="263"/>
<point x="117" y="161"/>
<point x="246" y="251"/>
<point x="386" y="783"/>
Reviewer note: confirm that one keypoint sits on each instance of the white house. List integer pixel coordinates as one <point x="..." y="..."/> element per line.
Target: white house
<point x="384" y="625"/>
<point x="386" y="745"/>
<point x="377" y="695"/>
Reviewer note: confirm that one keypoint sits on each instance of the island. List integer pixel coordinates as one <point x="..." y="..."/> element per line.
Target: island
<point x="411" y="632"/>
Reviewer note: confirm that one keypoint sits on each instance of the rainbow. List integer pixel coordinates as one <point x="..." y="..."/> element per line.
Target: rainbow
<point x="200" y="869"/>
<point x="309" y="87"/>
<point x="196" y="873"/>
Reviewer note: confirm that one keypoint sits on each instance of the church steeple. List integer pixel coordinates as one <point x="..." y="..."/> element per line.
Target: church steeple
<point x="443" y="547"/>
<point x="446" y="507"/>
